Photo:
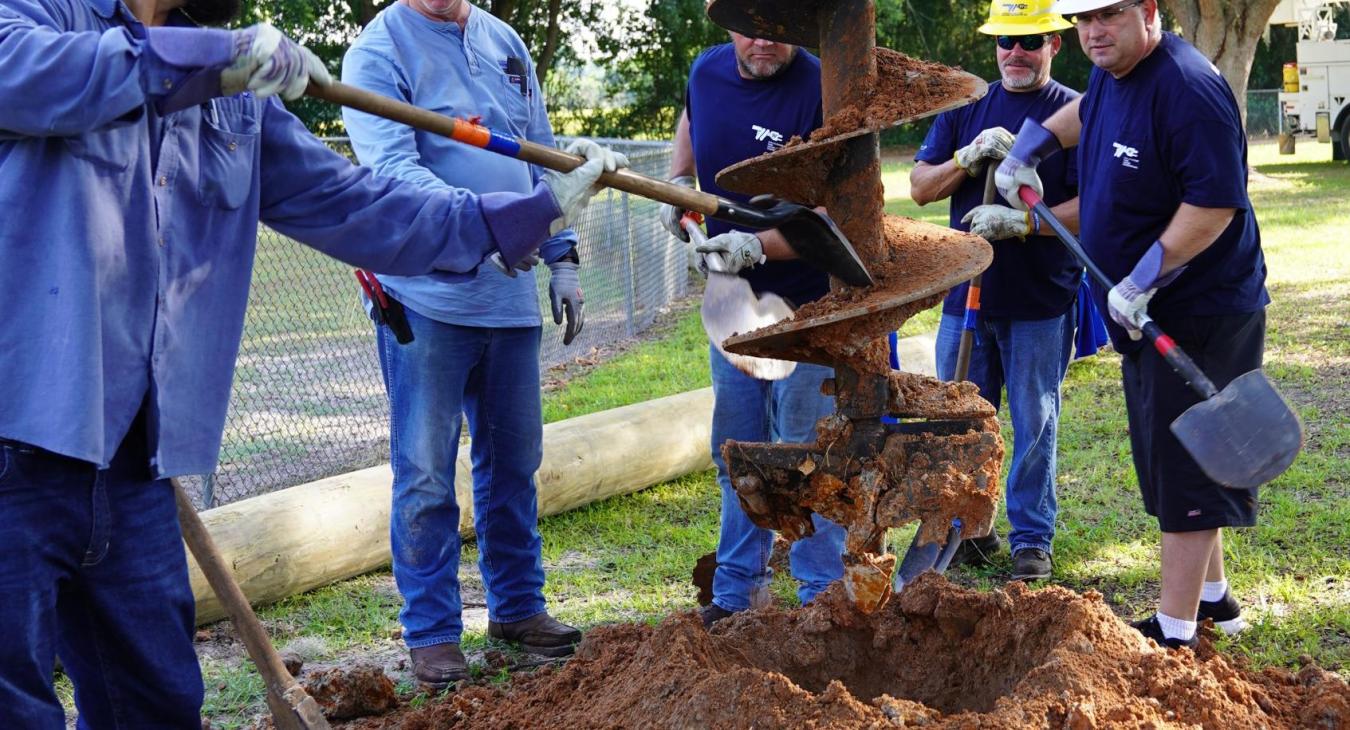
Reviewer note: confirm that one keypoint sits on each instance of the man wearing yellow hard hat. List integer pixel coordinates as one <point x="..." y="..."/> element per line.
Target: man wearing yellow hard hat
<point x="1025" y="324"/>
<point x="1163" y="156"/>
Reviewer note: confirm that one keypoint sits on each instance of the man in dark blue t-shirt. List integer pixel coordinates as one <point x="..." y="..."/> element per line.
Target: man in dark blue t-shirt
<point x="1024" y="331"/>
<point x="746" y="98"/>
<point x="1162" y="157"/>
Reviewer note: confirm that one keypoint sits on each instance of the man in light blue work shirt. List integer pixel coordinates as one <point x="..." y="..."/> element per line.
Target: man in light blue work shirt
<point x="459" y="60"/>
<point x="132" y="195"/>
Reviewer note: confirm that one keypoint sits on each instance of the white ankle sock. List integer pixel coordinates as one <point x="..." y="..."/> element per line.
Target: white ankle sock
<point x="1175" y="628"/>
<point x="1214" y="590"/>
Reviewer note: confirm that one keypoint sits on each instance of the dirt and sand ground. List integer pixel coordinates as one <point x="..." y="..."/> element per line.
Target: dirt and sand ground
<point x="938" y="656"/>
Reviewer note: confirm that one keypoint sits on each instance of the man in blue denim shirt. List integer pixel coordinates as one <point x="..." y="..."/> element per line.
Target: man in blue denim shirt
<point x="459" y="60"/>
<point x="131" y="198"/>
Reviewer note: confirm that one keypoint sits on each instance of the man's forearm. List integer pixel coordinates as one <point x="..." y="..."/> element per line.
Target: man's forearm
<point x="929" y="183"/>
<point x="1067" y="213"/>
<point x="1192" y="230"/>
<point x="776" y="247"/>
<point x="1065" y="124"/>
<point x="682" y="153"/>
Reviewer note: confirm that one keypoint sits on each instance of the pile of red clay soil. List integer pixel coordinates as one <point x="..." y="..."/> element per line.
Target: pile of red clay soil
<point x="936" y="656"/>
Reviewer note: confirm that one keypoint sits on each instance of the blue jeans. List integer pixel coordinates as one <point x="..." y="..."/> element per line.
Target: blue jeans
<point x="748" y="409"/>
<point x="492" y="376"/>
<point x="92" y="569"/>
<point x="1029" y="358"/>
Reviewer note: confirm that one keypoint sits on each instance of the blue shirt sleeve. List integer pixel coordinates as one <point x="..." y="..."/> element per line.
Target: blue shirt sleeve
<point x="63" y="83"/>
<point x="316" y="196"/>
<point x="940" y="143"/>
<point x="1206" y="160"/>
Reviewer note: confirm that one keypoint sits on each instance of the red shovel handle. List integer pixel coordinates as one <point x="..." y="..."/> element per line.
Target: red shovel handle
<point x="1177" y="358"/>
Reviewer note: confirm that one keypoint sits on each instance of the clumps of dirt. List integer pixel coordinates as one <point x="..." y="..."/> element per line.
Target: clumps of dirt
<point x="914" y="270"/>
<point x="360" y="690"/>
<point x="937" y="656"/>
<point x="905" y="88"/>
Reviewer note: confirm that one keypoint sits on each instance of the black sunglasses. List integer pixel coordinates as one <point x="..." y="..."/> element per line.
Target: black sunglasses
<point x="1028" y="42"/>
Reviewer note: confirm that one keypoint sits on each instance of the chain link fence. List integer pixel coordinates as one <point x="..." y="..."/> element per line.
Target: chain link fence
<point x="308" y="400"/>
<point x="1263" y="112"/>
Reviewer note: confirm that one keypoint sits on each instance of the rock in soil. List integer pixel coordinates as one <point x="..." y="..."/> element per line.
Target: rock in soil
<point x="937" y="656"/>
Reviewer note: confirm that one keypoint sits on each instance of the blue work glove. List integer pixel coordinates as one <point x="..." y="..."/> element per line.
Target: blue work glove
<point x="1034" y="143"/>
<point x="1128" y="301"/>
<point x="267" y="63"/>
<point x="564" y="293"/>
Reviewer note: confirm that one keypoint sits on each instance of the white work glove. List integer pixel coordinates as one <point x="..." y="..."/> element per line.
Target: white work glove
<point x="572" y="190"/>
<point x="1127" y="301"/>
<point x="1034" y="143"/>
<point x="671" y="215"/>
<point x="991" y="144"/>
<point x="996" y="222"/>
<point x="268" y="63"/>
<point x="564" y="293"/>
<point x="736" y="249"/>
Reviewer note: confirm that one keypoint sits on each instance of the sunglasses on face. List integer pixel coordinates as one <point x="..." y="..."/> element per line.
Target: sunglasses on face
<point x="1028" y="42"/>
<point x="1108" y="16"/>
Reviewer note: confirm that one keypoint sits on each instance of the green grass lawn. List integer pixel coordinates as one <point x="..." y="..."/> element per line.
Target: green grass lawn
<point x="628" y="558"/>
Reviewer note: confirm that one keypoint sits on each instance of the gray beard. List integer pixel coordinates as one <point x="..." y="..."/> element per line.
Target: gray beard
<point x="1017" y="84"/>
<point x="778" y="69"/>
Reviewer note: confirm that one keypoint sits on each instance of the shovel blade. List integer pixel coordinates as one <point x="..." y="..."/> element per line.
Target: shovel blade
<point x="730" y="306"/>
<point x="1243" y="437"/>
<point x="816" y="240"/>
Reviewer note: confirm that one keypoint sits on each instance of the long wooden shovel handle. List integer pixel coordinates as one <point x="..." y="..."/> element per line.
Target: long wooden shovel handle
<point x="292" y="708"/>
<point x="1177" y="358"/>
<point x="533" y="153"/>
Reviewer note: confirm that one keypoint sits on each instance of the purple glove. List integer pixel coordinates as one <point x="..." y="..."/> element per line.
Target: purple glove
<point x="1128" y="301"/>
<point x="267" y="63"/>
<point x="1034" y="143"/>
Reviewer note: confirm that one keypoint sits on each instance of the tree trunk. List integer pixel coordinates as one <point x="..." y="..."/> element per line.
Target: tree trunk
<point x="503" y="9"/>
<point x="545" y="60"/>
<point x="1227" y="32"/>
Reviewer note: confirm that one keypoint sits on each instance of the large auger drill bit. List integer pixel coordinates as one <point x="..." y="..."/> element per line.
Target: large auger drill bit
<point x="864" y="473"/>
<point x="868" y="475"/>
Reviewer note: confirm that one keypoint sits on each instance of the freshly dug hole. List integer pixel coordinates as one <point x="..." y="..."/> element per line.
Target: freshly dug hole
<point x="937" y="655"/>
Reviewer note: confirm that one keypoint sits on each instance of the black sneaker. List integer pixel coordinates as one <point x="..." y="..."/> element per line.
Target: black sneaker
<point x="1225" y="613"/>
<point x="976" y="551"/>
<point x="712" y="613"/>
<point x="1151" y="629"/>
<point x="1031" y="564"/>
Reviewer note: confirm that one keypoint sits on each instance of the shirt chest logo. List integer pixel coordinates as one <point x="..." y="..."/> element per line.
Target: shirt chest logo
<point x="773" y="140"/>
<point x="1128" y="156"/>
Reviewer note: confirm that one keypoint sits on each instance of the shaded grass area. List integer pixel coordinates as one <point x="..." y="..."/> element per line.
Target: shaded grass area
<point x="628" y="558"/>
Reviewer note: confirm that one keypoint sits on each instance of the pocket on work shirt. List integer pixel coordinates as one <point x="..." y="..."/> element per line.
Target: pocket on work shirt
<point x="228" y="149"/>
<point x="109" y="151"/>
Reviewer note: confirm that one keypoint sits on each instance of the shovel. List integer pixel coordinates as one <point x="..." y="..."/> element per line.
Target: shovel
<point x="292" y="708"/>
<point x="1242" y="436"/>
<point x="811" y="234"/>
<point x="730" y="306"/>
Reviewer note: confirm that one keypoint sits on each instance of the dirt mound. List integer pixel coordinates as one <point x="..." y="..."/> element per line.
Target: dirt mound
<point x="937" y="656"/>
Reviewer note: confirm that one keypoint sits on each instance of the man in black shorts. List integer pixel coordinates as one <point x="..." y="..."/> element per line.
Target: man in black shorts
<point x="1162" y="169"/>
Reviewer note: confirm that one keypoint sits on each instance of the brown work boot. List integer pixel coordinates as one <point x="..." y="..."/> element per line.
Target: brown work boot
<point x="439" y="665"/>
<point x="538" y="634"/>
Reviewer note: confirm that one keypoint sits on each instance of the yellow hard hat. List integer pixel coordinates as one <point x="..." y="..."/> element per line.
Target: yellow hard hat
<point x="1023" y="17"/>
